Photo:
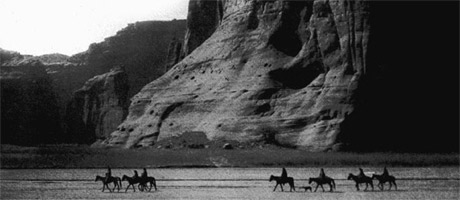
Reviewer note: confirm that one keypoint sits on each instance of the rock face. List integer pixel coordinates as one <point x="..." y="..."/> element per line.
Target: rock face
<point x="29" y="108"/>
<point x="202" y="20"/>
<point x="141" y="49"/>
<point x="286" y="68"/>
<point x="98" y="107"/>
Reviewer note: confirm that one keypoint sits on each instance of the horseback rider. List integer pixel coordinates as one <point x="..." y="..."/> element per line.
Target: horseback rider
<point x="361" y="173"/>
<point x="144" y="174"/>
<point x="284" y="173"/>
<point x="385" y="172"/>
<point x="108" y="174"/>
<point x="136" y="176"/>
<point x="322" y="174"/>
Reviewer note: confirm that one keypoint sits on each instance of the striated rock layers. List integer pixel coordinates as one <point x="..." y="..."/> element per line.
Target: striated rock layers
<point x="99" y="106"/>
<point x="283" y="71"/>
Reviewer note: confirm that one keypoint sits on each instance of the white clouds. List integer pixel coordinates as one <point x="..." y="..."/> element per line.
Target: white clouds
<point x="69" y="26"/>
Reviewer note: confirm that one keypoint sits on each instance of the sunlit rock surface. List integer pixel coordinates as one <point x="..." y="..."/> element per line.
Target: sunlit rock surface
<point x="288" y="69"/>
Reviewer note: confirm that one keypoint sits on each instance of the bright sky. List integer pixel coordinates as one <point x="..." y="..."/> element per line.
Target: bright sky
<point x="39" y="27"/>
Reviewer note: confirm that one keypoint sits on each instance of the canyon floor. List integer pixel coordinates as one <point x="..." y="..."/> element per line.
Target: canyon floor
<point x="70" y="156"/>
<point x="226" y="183"/>
<point x="68" y="172"/>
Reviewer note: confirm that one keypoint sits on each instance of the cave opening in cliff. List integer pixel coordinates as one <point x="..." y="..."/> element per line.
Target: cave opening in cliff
<point x="409" y="99"/>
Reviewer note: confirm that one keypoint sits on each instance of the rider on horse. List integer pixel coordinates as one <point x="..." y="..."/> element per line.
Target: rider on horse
<point x="144" y="174"/>
<point x="136" y="176"/>
<point x="322" y="174"/>
<point x="385" y="172"/>
<point x="361" y="173"/>
<point x="284" y="173"/>
<point x="108" y="174"/>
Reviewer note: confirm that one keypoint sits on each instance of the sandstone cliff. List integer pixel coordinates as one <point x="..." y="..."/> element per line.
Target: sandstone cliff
<point x="142" y="49"/>
<point x="287" y="68"/>
<point x="98" y="107"/>
<point x="29" y="108"/>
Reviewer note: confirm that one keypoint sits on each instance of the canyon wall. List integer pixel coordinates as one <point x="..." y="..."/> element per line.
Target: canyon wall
<point x="98" y="107"/>
<point x="285" y="68"/>
<point x="141" y="49"/>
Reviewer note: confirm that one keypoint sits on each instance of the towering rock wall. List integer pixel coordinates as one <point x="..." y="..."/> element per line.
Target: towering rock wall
<point x="141" y="49"/>
<point x="144" y="50"/>
<point x="284" y="68"/>
<point x="202" y="20"/>
<point x="29" y="108"/>
<point x="98" y="107"/>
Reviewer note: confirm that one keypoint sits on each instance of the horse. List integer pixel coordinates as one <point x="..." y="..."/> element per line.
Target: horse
<point x="383" y="179"/>
<point x="358" y="180"/>
<point x="281" y="181"/>
<point x="321" y="181"/>
<point x="131" y="181"/>
<point x="105" y="181"/>
<point x="143" y="183"/>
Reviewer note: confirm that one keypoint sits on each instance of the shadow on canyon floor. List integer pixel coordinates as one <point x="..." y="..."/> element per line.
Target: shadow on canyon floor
<point x="70" y="156"/>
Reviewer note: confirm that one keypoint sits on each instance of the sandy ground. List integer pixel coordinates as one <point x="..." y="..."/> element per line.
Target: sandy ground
<point x="225" y="183"/>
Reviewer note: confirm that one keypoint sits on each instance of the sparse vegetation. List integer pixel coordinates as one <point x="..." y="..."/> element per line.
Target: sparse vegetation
<point x="85" y="157"/>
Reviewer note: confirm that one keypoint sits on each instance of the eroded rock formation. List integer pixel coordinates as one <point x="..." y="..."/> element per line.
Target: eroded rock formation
<point x="98" y="107"/>
<point x="141" y="48"/>
<point x="287" y="68"/>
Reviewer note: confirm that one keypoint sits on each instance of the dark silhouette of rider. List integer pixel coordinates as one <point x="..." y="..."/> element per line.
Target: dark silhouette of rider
<point x="136" y="176"/>
<point x="284" y="173"/>
<point x="385" y="172"/>
<point x="322" y="174"/>
<point x="361" y="173"/>
<point x="144" y="174"/>
<point x="108" y="174"/>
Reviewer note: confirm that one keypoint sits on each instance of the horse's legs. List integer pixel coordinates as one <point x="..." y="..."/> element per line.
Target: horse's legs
<point x="317" y="185"/>
<point x="330" y="186"/>
<point x="357" y="186"/>
<point x="275" y="187"/>
<point x="107" y="185"/>
<point x="322" y="187"/>
<point x="281" y="185"/>
<point x="396" y="187"/>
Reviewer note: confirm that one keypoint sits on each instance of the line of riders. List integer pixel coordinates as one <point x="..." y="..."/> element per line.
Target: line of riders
<point x="323" y="179"/>
<point x="145" y="183"/>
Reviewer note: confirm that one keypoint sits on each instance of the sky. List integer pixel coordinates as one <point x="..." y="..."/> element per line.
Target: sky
<point x="39" y="27"/>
